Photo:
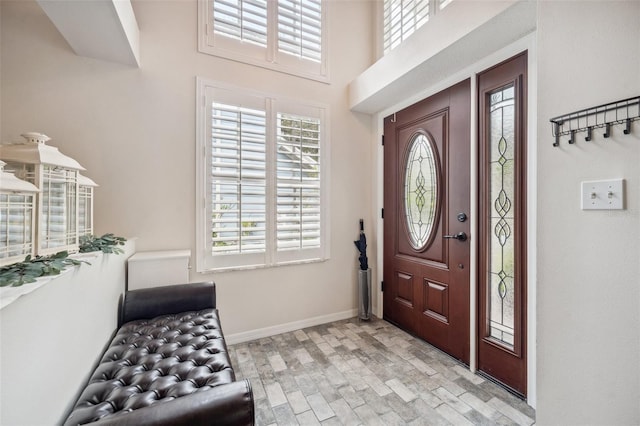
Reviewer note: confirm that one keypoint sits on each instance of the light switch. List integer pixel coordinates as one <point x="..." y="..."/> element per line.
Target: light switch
<point x="603" y="195"/>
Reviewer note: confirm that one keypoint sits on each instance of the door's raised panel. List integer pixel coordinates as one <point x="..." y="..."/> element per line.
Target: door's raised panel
<point x="436" y="300"/>
<point x="405" y="289"/>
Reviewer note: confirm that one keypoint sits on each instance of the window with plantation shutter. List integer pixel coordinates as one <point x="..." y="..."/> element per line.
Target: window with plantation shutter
<point x="260" y="179"/>
<point x="401" y="18"/>
<point x="283" y="35"/>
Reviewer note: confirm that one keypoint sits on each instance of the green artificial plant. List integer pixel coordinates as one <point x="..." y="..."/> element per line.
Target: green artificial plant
<point x="27" y="271"/>
<point x="108" y="243"/>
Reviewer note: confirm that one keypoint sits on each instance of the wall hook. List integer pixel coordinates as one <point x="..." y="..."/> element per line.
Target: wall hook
<point x="588" y="137"/>
<point x="622" y="112"/>
<point x="556" y="132"/>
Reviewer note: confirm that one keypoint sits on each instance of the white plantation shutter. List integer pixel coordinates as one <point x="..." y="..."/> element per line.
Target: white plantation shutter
<point x="261" y="180"/>
<point x="238" y="179"/>
<point x="401" y="19"/>
<point x="300" y="28"/>
<point x="283" y="35"/>
<point x="244" y="20"/>
<point x="298" y="182"/>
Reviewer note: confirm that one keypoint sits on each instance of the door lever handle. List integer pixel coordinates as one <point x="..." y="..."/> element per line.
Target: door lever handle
<point x="460" y="236"/>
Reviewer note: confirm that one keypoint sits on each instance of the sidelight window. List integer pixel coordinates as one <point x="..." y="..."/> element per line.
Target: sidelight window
<point x="501" y="194"/>
<point x="502" y="246"/>
<point x="502" y="205"/>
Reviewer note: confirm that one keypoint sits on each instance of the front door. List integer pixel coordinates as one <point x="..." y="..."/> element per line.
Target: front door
<point x="426" y="219"/>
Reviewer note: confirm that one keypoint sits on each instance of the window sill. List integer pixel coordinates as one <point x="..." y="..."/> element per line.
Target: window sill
<point x="254" y="267"/>
<point x="302" y="71"/>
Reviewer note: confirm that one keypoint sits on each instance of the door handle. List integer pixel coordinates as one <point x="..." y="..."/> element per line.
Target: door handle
<point x="460" y="236"/>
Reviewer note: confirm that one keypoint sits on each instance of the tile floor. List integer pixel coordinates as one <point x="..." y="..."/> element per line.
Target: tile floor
<point x="355" y="372"/>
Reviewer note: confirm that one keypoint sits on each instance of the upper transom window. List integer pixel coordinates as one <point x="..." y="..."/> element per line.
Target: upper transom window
<point x="284" y="35"/>
<point x="403" y="17"/>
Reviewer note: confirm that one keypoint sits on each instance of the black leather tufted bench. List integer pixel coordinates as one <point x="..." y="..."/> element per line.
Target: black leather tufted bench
<point x="167" y="365"/>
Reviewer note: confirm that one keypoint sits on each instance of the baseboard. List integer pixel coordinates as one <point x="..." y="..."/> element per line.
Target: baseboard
<point x="287" y="327"/>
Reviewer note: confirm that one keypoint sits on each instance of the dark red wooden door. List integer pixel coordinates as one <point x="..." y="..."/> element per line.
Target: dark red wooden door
<point x="426" y="219"/>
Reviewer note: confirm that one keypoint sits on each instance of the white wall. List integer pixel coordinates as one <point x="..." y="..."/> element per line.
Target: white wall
<point x="588" y="312"/>
<point x="51" y="338"/>
<point x="134" y="131"/>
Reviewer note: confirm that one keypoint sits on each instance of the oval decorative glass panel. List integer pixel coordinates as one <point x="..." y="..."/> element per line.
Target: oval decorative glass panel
<point x="421" y="190"/>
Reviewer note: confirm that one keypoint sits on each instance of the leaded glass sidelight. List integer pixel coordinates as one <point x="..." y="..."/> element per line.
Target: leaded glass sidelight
<point x="500" y="297"/>
<point x="421" y="191"/>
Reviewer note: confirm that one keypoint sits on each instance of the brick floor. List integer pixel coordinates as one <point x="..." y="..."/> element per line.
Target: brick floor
<point x="367" y="373"/>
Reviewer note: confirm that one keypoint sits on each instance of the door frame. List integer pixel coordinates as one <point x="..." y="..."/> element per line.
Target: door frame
<point x="527" y="43"/>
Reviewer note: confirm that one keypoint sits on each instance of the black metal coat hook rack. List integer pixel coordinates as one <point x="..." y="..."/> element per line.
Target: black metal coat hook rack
<point x="602" y="116"/>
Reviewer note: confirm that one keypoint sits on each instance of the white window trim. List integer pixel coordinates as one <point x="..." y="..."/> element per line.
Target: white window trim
<point x="267" y="57"/>
<point x="205" y="260"/>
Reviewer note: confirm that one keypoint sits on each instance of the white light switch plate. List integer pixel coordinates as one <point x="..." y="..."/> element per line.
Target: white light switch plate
<point x="603" y="195"/>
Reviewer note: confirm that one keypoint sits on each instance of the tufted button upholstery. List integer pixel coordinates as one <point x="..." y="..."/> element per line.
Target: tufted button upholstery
<point x="155" y="361"/>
